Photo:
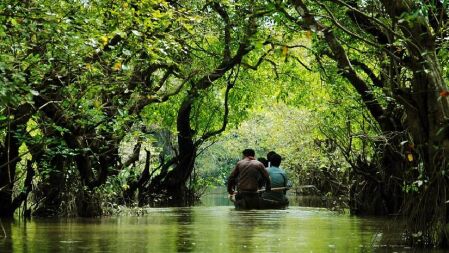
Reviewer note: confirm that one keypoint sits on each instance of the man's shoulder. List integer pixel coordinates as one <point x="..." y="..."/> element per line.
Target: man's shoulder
<point x="243" y="162"/>
<point x="276" y="169"/>
<point x="258" y="163"/>
<point x="250" y="163"/>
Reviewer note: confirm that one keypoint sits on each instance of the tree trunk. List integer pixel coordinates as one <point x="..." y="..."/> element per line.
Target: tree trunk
<point x="51" y="188"/>
<point x="382" y="188"/>
<point x="171" y="185"/>
<point x="9" y="157"/>
<point x="427" y="208"/>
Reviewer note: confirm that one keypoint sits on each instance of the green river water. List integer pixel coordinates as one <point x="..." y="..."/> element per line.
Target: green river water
<point x="213" y="227"/>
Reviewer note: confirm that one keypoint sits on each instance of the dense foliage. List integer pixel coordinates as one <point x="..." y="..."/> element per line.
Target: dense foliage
<point x="353" y="94"/>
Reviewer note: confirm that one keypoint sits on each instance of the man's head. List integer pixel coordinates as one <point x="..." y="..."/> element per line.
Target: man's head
<point x="249" y="152"/>
<point x="263" y="160"/>
<point x="275" y="160"/>
<point x="269" y="154"/>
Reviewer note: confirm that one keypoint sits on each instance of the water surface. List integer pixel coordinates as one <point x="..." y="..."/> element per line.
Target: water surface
<point x="215" y="227"/>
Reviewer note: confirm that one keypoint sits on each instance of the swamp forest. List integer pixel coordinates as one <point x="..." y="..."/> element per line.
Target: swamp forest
<point x="123" y="120"/>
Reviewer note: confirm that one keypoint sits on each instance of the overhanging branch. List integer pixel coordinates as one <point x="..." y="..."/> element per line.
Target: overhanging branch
<point x="229" y="86"/>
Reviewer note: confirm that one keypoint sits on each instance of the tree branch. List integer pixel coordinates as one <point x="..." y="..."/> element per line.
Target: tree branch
<point x="146" y="100"/>
<point x="300" y="62"/>
<point x="244" y="48"/>
<point x="133" y="158"/>
<point x="261" y="59"/>
<point x="376" y="81"/>
<point x="227" y="30"/>
<point x="355" y="35"/>
<point x="229" y="86"/>
<point x="339" y="55"/>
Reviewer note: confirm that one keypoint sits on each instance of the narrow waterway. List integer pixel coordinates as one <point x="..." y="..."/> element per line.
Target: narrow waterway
<point x="214" y="227"/>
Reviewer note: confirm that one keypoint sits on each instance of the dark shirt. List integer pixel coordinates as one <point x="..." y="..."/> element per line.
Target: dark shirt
<point x="246" y="175"/>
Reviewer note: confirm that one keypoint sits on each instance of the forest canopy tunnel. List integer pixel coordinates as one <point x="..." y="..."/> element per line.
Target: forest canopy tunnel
<point x="354" y="90"/>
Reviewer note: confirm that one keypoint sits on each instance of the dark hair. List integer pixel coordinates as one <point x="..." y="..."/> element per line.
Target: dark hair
<point x="249" y="152"/>
<point x="263" y="160"/>
<point x="275" y="160"/>
<point x="269" y="154"/>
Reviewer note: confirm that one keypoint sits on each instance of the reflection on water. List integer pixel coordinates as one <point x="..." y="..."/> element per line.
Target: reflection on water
<point x="218" y="197"/>
<point x="208" y="228"/>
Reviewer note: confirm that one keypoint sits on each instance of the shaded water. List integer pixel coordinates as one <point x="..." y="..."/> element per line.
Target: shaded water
<point x="215" y="227"/>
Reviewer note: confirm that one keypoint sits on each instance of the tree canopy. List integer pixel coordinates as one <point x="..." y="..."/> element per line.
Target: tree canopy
<point x="353" y="91"/>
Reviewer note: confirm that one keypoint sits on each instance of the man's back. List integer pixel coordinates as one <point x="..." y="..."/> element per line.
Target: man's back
<point x="278" y="179"/>
<point x="248" y="173"/>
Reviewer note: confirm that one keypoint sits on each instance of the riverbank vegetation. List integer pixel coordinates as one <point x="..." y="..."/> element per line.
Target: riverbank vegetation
<point x="147" y="103"/>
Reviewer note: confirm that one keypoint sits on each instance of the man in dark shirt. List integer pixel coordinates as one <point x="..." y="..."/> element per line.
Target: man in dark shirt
<point x="246" y="176"/>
